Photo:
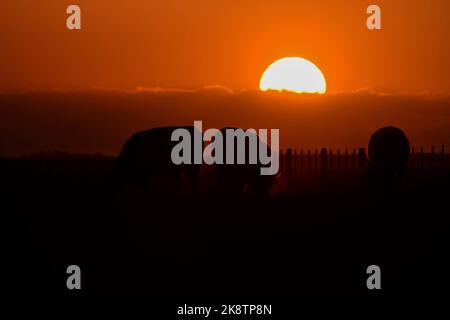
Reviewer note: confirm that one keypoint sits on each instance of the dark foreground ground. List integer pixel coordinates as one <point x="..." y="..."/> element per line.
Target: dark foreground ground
<point x="312" y="245"/>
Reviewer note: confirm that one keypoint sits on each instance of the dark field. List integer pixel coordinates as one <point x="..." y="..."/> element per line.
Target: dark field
<point x="312" y="242"/>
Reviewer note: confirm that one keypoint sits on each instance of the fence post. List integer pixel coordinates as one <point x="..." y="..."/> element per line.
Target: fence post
<point x="301" y="162"/>
<point x="309" y="162"/>
<point x="421" y="157"/>
<point x="412" y="158"/>
<point x="432" y="157"/>
<point x="361" y="158"/>
<point x="346" y="161"/>
<point x="323" y="162"/>
<point x="330" y="162"/>
<point x="295" y="163"/>
<point x="338" y="162"/>
<point x="316" y="162"/>
<point x="354" y="161"/>
<point x="288" y="164"/>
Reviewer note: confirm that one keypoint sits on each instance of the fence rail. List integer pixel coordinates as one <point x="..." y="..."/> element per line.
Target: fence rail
<point x="326" y="162"/>
<point x="322" y="162"/>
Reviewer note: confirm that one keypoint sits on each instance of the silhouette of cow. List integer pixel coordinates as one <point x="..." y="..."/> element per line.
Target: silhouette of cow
<point x="388" y="153"/>
<point x="235" y="181"/>
<point x="145" y="163"/>
<point x="151" y="192"/>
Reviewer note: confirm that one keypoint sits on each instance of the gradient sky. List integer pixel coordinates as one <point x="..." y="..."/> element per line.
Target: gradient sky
<point x="190" y="44"/>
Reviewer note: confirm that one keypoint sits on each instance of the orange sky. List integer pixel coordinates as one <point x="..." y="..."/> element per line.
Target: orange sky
<point x="188" y="44"/>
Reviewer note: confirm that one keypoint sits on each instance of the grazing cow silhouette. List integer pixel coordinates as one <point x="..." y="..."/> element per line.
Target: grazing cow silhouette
<point x="388" y="153"/>
<point x="145" y="163"/>
<point x="149" y="187"/>
<point x="235" y="181"/>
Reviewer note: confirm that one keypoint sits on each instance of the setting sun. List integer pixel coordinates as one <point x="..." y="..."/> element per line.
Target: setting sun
<point x="293" y="74"/>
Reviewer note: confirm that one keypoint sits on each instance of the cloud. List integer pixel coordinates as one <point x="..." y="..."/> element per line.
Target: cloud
<point x="101" y="120"/>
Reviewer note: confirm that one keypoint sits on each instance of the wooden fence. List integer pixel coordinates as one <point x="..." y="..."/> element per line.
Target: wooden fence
<point x="293" y="163"/>
<point x="327" y="162"/>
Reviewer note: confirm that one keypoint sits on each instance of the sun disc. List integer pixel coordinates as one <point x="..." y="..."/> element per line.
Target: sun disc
<point x="293" y="74"/>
